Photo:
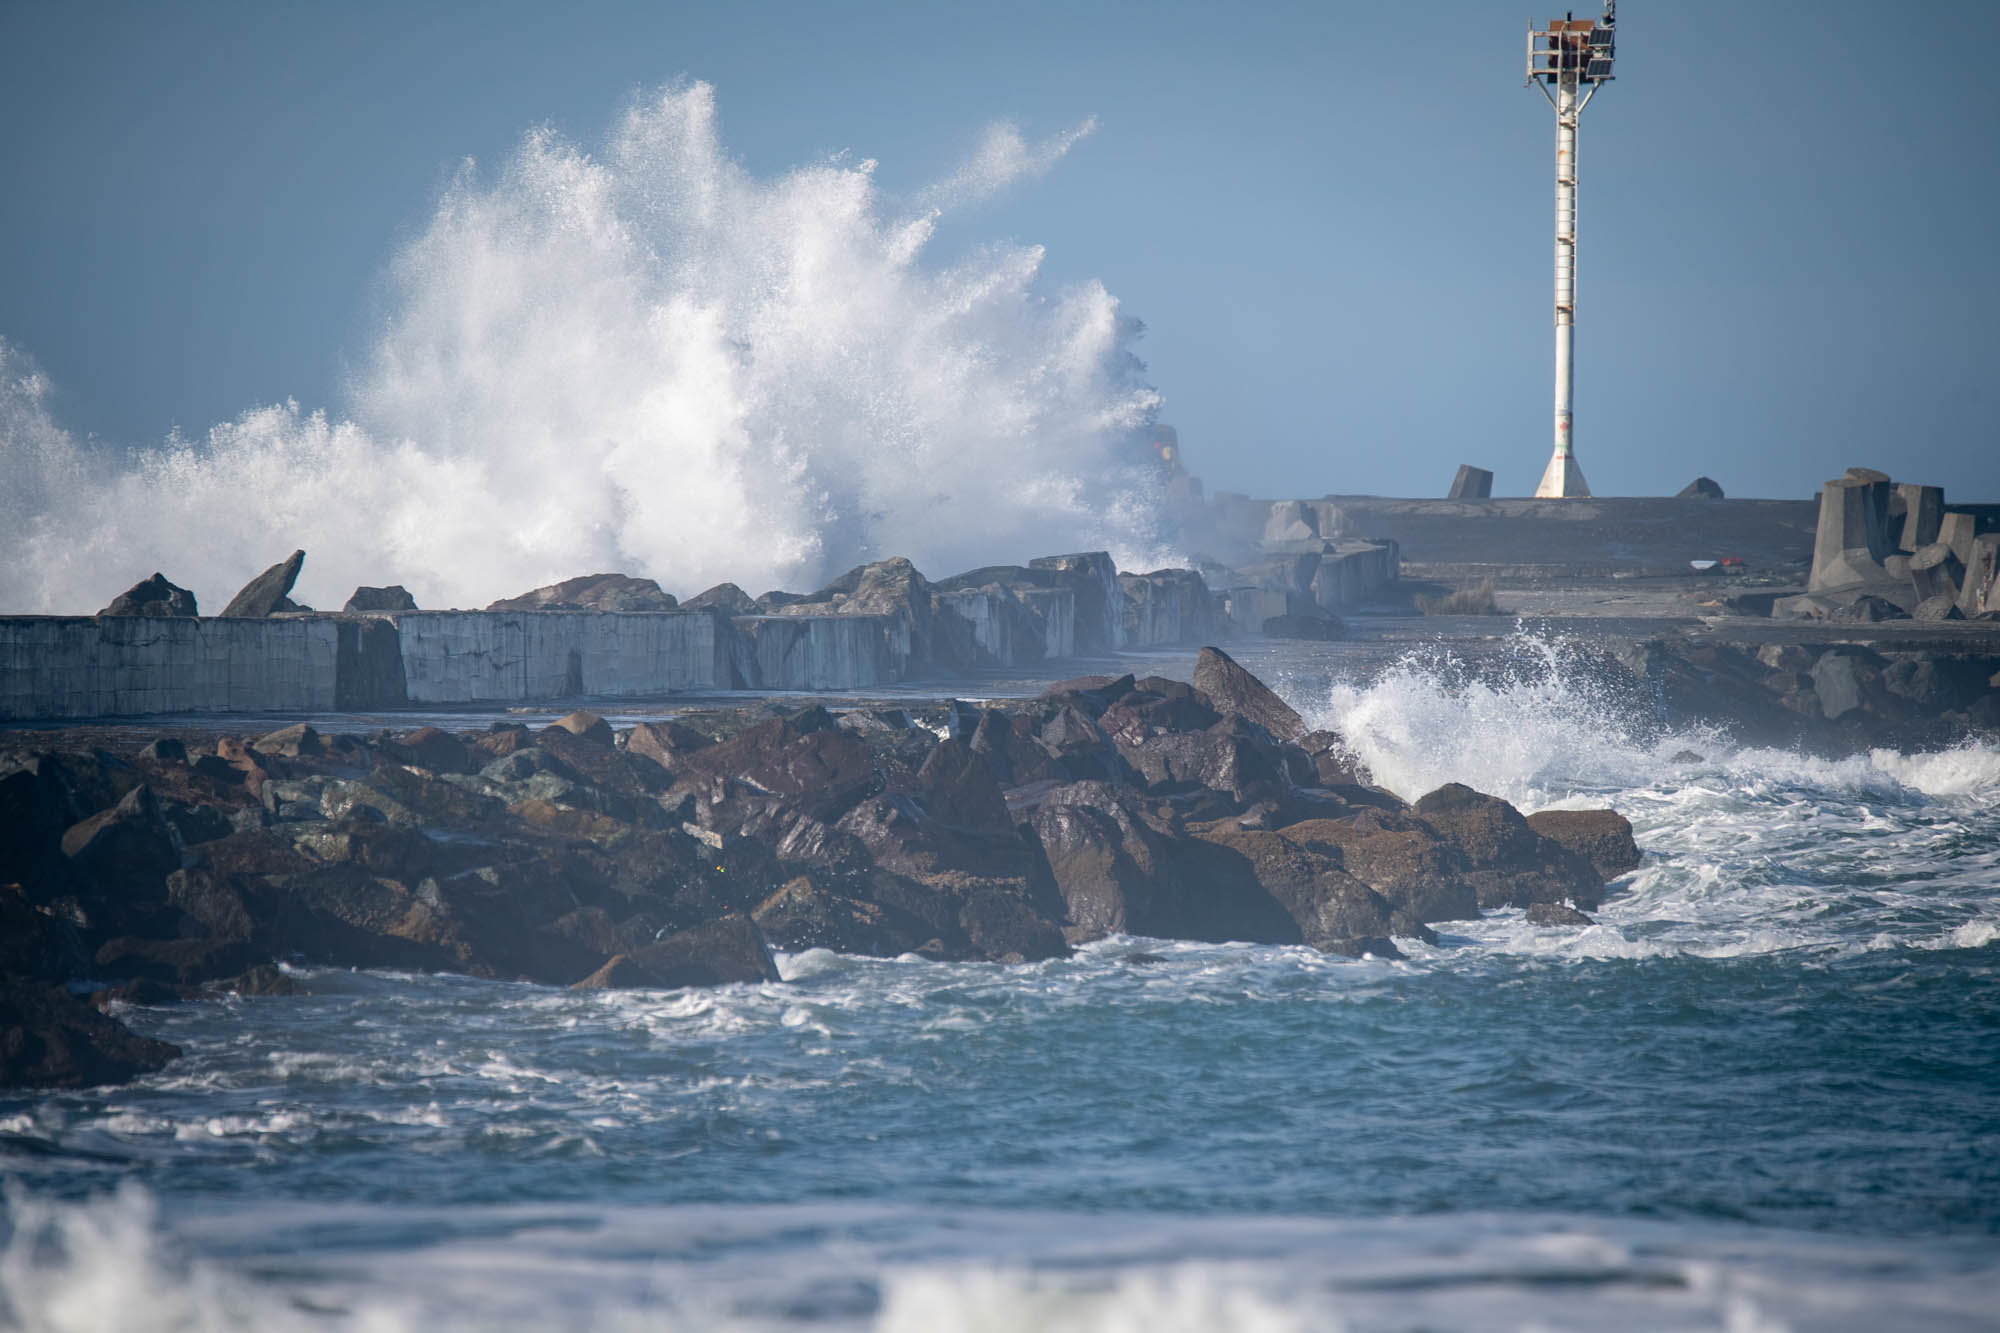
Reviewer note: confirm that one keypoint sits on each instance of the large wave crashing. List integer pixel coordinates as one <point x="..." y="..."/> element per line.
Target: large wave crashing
<point x="639" y="359"/>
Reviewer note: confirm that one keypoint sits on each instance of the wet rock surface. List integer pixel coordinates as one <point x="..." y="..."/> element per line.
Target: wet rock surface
<point x="678" y="853"/>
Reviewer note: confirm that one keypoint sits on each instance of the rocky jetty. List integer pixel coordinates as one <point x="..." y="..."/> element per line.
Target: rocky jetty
<point x="680" y="852"/>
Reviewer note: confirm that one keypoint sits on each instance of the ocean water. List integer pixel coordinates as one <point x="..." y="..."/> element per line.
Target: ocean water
<point x="1761" y="1093"/>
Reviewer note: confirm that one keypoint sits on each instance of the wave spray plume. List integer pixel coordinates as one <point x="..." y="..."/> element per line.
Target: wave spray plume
<point x="641" y="359"/>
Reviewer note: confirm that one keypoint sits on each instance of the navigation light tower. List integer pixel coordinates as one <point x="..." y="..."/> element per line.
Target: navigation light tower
<point x="1569" y="59"/>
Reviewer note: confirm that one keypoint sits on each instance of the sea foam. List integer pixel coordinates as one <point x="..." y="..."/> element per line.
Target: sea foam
<point x="644" y="359"/>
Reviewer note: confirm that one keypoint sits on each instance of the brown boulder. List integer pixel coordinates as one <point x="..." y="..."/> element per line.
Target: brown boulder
<point x="1401" y="858"/>
<point x="1508" y="863"/>
<point x="1601" y="837"/>
<point x="295" y="741"/>
<point x="1231" y="689"/>
<point x="584" y="725"/>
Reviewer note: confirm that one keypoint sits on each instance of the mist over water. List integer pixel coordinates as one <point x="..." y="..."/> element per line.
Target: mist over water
<point x="640" y="359"/>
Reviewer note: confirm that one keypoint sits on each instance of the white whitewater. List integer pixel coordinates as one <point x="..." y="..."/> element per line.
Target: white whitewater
<point x="639" y="359"/>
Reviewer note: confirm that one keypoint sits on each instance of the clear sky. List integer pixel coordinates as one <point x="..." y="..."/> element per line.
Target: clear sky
<point x="1334" y="220"/>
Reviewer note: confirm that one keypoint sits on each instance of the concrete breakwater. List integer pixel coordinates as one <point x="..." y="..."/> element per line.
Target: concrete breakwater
<point x="883" y="624"/>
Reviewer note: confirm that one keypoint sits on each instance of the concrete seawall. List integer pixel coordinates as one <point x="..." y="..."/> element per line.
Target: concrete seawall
<point x="82" y="666"/>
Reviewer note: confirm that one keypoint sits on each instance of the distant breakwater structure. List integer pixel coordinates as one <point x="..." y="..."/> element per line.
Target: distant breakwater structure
<point x="608" y="636"/>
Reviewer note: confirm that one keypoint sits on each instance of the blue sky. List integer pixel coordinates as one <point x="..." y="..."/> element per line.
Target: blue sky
<point x="1334" y="220"/>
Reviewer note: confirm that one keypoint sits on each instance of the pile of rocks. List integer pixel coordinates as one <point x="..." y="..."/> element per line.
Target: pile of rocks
<point x="668" y="854"/>
<point x="1885" y="551"/>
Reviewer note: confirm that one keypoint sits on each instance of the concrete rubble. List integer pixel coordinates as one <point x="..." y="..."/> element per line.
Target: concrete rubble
<point x="1889" y="551"/>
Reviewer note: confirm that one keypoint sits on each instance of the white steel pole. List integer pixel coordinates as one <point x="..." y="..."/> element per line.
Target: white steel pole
<point x="1563" y="477"/>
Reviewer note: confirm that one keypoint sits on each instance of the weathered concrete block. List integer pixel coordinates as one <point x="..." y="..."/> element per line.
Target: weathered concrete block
<point x="1471" y="483"/>
<point x="489" y="656"/>
<point x="1166" y="606"/>
<point x="1092" y="579"/>
<point x="1935" y="571"/>
<point x="1352" y="572"/>
<point x="837" y="652"/>
<point x="1055" y="609"/>
<point x="1980" y="590"/>
<point x="1852" y="538"/>
<point x="1915" y="514"/>
<point x="56" y="666"/>
<point x="1003" y="627"/>
<point x="1957" y="532"/>
<point x="1291" y="522"/>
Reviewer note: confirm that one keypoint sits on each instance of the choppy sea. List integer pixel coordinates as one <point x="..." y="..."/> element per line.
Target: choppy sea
<point x="1761" y="1093"/>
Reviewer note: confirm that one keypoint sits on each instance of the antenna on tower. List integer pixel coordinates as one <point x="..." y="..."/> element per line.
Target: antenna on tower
<point x="1569" y="59"/>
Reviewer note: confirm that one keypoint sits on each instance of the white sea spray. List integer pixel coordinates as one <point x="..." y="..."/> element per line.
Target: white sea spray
<point x="638" y="358"/>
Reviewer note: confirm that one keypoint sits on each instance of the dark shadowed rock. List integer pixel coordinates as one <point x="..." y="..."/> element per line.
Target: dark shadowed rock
<point x="34" y="944"/>
<point x="720" y="952"/>
<point x="592" y="592"/>
<point x="50" y="1039"/>
<point x="1231" y="689"/>
<point x="1005" y="928"/>
<point x="269" y="592"/>
<point x="1331" y="909"/>
<point x="1601" y="837"/>
<point x="804" y="915"/>
<point x="175" y="962"/>
<point x="1555" y="914"/>
<point x="395" y="597"/>
<point x="807" y="761"/>
<point x="264" y="979"/>
<point x="435" y="749"/>
<point x="1701" y="488"/>
<point x="165" y="750"/>
<point x="152" y="597"/>
<point x="958" y="788"/>
<point x="129" y="845"/>
<point x="144" y="992"/>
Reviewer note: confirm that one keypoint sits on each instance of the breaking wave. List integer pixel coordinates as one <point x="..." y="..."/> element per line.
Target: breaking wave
<point x="642" y="359"/>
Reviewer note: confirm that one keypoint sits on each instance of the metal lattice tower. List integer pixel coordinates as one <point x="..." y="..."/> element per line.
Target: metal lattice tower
<point x="1569" y="59"/>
